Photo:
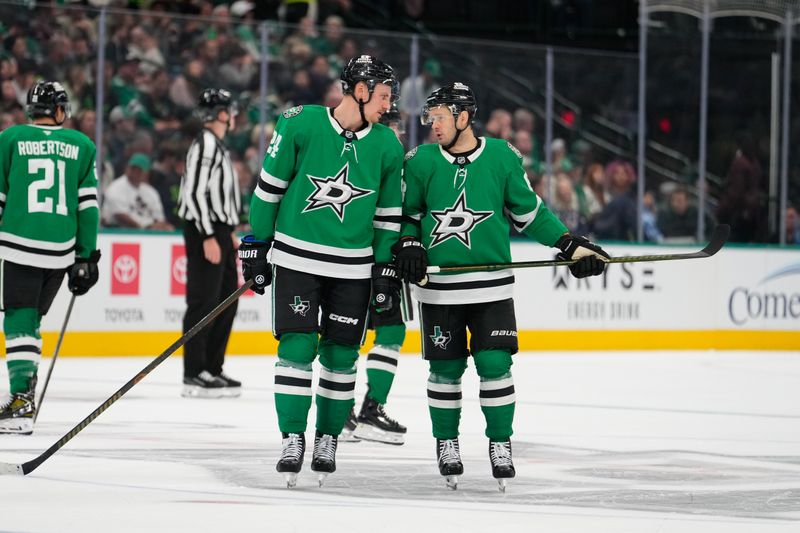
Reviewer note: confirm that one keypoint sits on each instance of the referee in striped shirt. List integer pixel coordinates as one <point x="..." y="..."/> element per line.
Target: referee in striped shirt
<point x="210" y="203"/>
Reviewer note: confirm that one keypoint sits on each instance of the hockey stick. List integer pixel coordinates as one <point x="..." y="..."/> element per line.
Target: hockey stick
<point x="55" y="356"/>
<point x="28" y="467"/>
<point x="718" y="239"/>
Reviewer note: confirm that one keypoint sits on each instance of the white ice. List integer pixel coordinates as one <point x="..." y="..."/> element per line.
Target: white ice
<point x="604" y="442"/>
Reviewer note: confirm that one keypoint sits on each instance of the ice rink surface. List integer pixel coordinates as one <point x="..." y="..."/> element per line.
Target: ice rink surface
<point x="605" y="442"/>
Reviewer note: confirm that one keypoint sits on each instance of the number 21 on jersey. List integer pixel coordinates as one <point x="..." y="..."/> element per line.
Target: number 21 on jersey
<point x="49" y="168"/>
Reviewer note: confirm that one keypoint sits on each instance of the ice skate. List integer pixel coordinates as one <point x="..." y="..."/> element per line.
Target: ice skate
<point x="16" y="415"/>
<point x="204" y="385"/>
<point x="324" y="459"/>
<point x="291" y="461"/>
<point x="502" y="464"/>
<point x="232" y="388"/>
<point x="450" y="465"/>
<point x="347" y="434"/>
<point x="375" y="425"/>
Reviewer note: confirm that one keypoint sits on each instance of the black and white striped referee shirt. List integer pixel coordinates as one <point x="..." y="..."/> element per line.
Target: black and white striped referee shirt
<point x="209" y="188"/>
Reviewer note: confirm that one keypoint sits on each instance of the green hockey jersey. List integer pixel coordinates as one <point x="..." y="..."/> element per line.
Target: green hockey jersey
<point x="461" y="208"/>
<point x="331" y="198"/>
<point x="48" y="196"/>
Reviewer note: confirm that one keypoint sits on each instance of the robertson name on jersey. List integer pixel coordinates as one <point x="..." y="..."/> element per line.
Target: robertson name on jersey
<point x="329" y="197"/>
<point x="48" y="196"/>
<point x="461" y="208"/>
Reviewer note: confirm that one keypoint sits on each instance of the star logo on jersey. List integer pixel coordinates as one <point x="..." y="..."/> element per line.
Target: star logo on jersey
<point x="300" y="307"/>
<point x="334" y="192"/>
<point x="456" y="222"/>
<point x="440" y="339"/>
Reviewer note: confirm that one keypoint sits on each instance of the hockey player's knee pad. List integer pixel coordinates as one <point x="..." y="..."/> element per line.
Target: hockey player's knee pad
<point x="22" y="321"/>
<point x="493" y="364"/>
<point x="338" y="357"/>
<point x="298" y="348"/>
<point x="447" y="370"/>
<point x="393" y="335"/>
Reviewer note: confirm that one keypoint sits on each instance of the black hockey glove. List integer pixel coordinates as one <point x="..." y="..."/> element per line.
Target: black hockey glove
<point x="255" y="266"/>
<point x="83" y="274"/>
<point x="411" y="259"/>
<point x="385" y="287"/>
<point x="589" y="256"/>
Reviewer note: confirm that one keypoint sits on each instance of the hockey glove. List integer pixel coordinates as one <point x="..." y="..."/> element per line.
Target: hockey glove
<point x="590" y="257"/>
<point x="255" y="266"/>
<point x="83" y="274"/>
<point x="385" y="287"/>
<point x="411" y="259"/>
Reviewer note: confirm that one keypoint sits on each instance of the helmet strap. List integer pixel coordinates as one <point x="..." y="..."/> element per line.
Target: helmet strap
<point x="458" y="131"/>
<point x="361" y="104"/>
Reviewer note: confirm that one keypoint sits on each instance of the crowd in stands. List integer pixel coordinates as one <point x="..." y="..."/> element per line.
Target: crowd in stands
<point x="156" y="64"/>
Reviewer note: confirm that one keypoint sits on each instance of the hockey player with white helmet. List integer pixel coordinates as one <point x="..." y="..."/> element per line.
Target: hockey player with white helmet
<point x="462" y="196"/>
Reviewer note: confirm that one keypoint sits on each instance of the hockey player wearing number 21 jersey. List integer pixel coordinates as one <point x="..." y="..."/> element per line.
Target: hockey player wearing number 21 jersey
<point x="328" y="203"/>
<point x="48" y="228"/>
<point x="462" y="194"/>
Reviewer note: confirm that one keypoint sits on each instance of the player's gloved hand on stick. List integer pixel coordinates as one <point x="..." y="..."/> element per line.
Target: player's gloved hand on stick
<point x="83" y="274"/>
<point x="410" y="259"/>
<point x="385" y="287"/>
<point x="253" y="255"/>
<point x="590" y="257"/>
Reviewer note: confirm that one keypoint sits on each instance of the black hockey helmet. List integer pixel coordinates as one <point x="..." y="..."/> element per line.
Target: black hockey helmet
<point x="393" y="116"/>
<point x="212" y="101"/>
<point x="368" y="69"/>
<point x="457" y="97"/>
<point x="45" y="97"/>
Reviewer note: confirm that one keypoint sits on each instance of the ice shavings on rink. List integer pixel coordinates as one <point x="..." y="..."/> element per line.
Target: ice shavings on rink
<point x="645" y="442"/>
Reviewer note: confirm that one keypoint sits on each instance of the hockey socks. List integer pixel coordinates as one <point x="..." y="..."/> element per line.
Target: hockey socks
<point x="497" y="392"/>
<point x="23" y="346"/>
<point x="335" y="399"/>
<point x="381" y="367"/>
<point x="444" y="405"/>
<point x="292" y="395"/>
<point x="497" y="404"/>
<point x="382" y="360"/>
<point x="337" y="385"/>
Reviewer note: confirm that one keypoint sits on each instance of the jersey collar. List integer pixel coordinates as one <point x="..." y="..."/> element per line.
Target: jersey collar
<point x="45" y="126"/>
<point x="464" y="160"/>
<point x="347" y="134"/>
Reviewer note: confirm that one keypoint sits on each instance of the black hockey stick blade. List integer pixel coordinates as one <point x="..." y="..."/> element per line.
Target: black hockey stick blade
<point x="30" y="466"/>
<point x="55" y="357"/>
<point x="718" y="240"/>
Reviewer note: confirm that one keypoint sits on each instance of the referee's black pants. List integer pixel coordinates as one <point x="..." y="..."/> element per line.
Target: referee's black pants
<point x="206" y="286"/>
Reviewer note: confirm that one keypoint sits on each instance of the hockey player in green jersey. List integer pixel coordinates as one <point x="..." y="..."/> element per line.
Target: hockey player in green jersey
<point x="48" y="227"/>
<point x="328" y="203"/>
<point x="372" y="422"/>
<point x="462" y="195"/>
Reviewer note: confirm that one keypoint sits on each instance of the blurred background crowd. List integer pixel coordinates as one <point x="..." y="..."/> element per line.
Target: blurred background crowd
<point x="141" y="66"/>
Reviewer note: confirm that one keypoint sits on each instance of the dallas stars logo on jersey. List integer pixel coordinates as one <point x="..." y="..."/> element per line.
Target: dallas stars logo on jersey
<point x="457" y="221"/>
<point x="334" y="192"/>
<point x="440" y="339"/>
<point x="300" y="307"/>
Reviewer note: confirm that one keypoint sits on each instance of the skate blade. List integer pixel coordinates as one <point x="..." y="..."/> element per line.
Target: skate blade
<point x="502" y="484"/>
<point x="451" y="482"/>
<point x="291" y="479"/>
<point x="17" y="426"/>
<point x="348" y="436"/>
<point x="191" y="391"/>
<point x="231" y="392"/>
<point x="373" y="434"/>
<point x="321" y="478"/>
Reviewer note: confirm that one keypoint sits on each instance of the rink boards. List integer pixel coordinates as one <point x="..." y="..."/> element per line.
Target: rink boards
<point x="743" y="298"/>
